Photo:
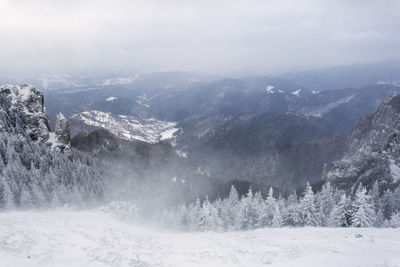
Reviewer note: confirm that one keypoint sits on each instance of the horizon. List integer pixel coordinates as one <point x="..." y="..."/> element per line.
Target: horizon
<point x="124" y="73"/>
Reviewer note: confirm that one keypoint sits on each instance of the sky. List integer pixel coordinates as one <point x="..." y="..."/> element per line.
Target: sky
<point x="212" y="36"/>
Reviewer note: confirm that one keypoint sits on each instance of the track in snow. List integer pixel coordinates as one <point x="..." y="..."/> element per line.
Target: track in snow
<point x="65" y="238"/>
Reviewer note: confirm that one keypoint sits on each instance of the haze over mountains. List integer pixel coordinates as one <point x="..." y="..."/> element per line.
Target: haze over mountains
<point x="274" y="131"/>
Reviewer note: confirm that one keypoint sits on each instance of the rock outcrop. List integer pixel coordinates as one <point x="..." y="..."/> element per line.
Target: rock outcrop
<point x="62" y="133"/>
<point x="22" y="111"/>
<point x="373" y="152"/>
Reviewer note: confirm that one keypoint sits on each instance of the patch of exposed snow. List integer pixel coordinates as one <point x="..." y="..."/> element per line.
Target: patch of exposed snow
<point x="181" y="153"/>
<point x="119" y="81"/>
<point x="296" y="93"/>
<point x="295" y="114"/>
<point x="281" y="91"/>
<point x="320" y="111"/>
<point x="111" y="98"/>
<point x="314" y="92"/>
<point x="143" y="104"/>
<point x="169" y="133"/>
<point x="203" y="171"/>
<point x="270" y="89"/>
<point x="128" y="127"/>
<point x="142" y="99"/>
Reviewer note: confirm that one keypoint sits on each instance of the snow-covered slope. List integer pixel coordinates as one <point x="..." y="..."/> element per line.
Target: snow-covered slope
<point x="61" y="238"/>
<point x="129" y="127"/>
<point x="321" y="110"/>
<point x="119" y="81"/>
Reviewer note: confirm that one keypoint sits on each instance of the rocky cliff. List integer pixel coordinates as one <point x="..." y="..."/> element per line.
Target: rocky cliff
<point x="22" y="111"/>
<point x="373" y="151"/>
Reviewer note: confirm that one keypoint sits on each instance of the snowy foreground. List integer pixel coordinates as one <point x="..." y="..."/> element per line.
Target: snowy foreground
<point x="95" y="238"/>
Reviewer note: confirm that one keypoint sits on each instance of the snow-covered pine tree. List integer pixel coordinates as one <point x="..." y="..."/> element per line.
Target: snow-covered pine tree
<point x="387" y="204"/>
<point x="307" y="207"/>
<point x="193" y="216"/>
<point x="292" y="214"/>
<point x="364" y="214"/>
<point x="395" y="220"/>
<point x="248" y="211"/>
<point x="230" y="213"/>
<point x="6" y="195"/>
<point x="277" y="220"/>
<point x="208" y="217"/>
<point x="325" y="203"/>
<point x="377" y="203"/>
<point x="340" y="217"/>
<point x="259" y="206"/>
<point x="26" y="199"/>
<point x="269" y="211"/>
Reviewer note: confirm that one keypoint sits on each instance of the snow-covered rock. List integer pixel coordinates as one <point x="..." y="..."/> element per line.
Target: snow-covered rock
<point x="111" y="98"/>
<point x="296" y="93"/>
<point x="62" y="133"/>
<point x="22" y="109"/>
<point x="270" y="89"/>
<point x="129" y="127"/>
<point x="373" y="150"/>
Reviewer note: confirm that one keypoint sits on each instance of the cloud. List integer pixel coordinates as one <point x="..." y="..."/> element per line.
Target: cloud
<point x="237" y="36"/>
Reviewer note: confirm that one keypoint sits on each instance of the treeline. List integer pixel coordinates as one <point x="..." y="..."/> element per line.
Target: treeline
<point x="326" y="208"/>
<point x="34" y="175"/>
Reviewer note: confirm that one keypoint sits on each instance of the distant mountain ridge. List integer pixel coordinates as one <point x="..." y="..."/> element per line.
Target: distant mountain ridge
<point x="349" y="76"/>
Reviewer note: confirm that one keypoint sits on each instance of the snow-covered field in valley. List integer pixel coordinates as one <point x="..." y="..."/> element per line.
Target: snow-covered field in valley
<point x="93" y="238"/>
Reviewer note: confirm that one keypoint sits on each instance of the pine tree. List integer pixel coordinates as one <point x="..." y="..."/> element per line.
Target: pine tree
<point x="307" y="207"/>
<point x="248" y="211"/>
<point x="277" y="220"/>
<point x="209" y="219"/>
<point x="269" y="211"/>
<point x="364" y="214"/>
<point x="340" y="217"/>
<point x="395" y="220"/>
<point x="259" y="206"/>
<point x="325" y="201"/>
<point x="7" y="197"/>
<point x="193" y="215"/>
<point x="26" y="200"/>
<point x="231" y="211"/>
<point x="292" y="215"/>
<point x="377" y="203"/>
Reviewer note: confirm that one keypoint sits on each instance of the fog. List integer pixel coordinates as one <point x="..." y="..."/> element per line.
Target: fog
<point x="222" y="37"/>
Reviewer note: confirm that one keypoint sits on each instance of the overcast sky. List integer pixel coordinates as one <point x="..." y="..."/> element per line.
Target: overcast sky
<point x="215" y="36"/>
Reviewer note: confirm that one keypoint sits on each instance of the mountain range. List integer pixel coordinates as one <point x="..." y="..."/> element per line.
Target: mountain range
<point x="270" y="131"/>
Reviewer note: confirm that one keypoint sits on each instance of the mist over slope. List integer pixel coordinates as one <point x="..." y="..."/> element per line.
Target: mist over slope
<point x="185" y="135"/>
<point x="41" y="167"/>
<point x="265" y="130"/>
